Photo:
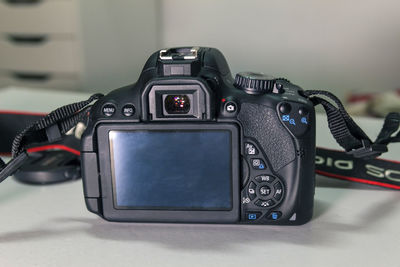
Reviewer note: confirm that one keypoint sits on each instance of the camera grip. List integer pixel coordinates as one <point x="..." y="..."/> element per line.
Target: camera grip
<point x="262" y="124"/>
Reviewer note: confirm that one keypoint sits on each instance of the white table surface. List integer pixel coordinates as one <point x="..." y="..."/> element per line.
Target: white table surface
<point x="353" y="225"/>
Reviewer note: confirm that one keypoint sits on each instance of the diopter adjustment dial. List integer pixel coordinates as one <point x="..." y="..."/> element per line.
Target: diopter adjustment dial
<point x="254" y="83"/>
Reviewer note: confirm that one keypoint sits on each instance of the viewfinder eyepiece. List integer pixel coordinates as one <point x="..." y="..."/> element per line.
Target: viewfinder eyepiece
<point x="177" y="104"/>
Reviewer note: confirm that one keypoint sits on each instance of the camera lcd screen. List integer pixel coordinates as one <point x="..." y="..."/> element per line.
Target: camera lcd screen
<point x="179" y="170"/>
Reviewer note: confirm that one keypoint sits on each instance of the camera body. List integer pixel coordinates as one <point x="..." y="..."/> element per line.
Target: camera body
<point x="188" y="143"/>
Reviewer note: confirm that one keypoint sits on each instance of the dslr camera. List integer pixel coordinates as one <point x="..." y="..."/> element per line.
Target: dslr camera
<point x="188" y="143"/>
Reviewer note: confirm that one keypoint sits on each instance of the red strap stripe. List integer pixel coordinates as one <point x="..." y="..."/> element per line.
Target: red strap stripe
<point x="358" y="180"/>
<point x="53" y="147"/>
<point x="28" y="113"/>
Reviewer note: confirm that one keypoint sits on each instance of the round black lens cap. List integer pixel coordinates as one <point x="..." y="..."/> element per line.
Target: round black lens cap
<point x="108" y="110"/>
<point x="128" y="110"/>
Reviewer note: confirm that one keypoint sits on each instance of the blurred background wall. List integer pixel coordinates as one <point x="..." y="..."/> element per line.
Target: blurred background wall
<point x="102" y="44"/>
<point x="118" y="36"/>
<point x="338" y="45"/>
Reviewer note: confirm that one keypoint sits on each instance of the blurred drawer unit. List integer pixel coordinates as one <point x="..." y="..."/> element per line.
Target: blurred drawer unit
<point x="38" y="16"/>
<point x="95" y="45"/>
<point x="39" y="44"/>
<point x="47" y="56"/>
<point x="39" y="80"/>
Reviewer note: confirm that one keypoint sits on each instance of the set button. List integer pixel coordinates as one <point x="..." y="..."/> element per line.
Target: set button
<point x="264" y="191"/>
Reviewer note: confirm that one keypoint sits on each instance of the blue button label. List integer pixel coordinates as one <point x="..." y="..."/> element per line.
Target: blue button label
<point x="285" y="117"/>
<point x="292" y="122"/>
<point x="304" y="120"/>
<point x="274" y="216"/>
<point x="252" y="216"/>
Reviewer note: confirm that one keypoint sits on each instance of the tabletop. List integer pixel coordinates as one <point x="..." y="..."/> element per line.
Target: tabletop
<point x="353" y="224"/>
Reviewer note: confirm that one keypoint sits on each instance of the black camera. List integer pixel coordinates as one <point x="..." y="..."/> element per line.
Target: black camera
<point x="188" y="143"/>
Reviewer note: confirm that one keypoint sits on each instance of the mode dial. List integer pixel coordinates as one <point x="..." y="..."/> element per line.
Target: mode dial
<point x="254" y="83"/>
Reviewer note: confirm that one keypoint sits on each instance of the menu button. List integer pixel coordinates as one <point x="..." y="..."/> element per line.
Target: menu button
<point x="108" y="110"/>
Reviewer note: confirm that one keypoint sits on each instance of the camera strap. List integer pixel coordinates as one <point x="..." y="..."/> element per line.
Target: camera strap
<point x="49" y="128"/>
<point x="358" y="163"/>
<point x="348" y="134"/>
<point x="341" y="165"/>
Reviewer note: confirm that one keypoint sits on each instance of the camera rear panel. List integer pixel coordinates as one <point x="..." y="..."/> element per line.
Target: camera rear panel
<point x="272" y="128"/>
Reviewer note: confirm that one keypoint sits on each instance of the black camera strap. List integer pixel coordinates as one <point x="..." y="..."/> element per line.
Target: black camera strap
<point x="357" y="164"/>
<point x="349" y="135"/>
<point x="49" y="128"/>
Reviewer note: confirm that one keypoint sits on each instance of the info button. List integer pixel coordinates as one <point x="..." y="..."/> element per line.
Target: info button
<point x="128" y="110"/>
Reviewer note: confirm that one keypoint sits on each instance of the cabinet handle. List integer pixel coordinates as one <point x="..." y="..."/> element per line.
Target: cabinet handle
<point x="29" y="76"/>
<point x="22" y="2"/>
<point x="27" y="39"/>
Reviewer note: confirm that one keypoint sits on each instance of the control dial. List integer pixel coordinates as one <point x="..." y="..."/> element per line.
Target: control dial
<point x="254" y="83"/>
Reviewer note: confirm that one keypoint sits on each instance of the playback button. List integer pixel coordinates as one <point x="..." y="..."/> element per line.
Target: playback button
<point x="252" y="215"/>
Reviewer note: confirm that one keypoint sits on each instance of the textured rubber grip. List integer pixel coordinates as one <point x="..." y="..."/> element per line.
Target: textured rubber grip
<point x="261" y="123"/>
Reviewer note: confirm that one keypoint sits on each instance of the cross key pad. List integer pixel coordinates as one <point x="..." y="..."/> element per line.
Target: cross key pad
<point x="265" y="190"/>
